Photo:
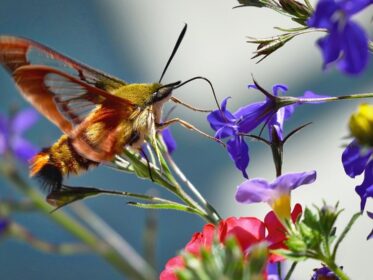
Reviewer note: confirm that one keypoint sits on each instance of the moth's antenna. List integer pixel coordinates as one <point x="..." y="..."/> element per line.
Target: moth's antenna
<point x="205" y="79"/>
<point x="178" y="42"/>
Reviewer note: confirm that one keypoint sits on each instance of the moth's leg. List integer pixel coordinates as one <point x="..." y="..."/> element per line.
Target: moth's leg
<point x="188" y="126"/>
<point x="178" y="101"/>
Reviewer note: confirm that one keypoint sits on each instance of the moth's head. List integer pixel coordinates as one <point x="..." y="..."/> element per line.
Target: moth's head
<point x="163" y="93"/>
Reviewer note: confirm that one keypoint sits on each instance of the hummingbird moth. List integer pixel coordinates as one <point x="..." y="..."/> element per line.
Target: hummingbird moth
<point x="98" y="114"/>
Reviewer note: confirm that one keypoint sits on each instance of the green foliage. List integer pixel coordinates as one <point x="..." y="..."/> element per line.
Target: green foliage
<point x="225" y="261"/>
<point x="315" y="236"/>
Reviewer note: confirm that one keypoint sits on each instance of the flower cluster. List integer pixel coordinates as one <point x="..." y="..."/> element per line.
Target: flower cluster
<point x="247" y="230"/>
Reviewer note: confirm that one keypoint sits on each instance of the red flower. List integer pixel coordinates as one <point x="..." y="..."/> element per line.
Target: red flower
<point x="276" y="231"/>
<point x="247" y="230"/>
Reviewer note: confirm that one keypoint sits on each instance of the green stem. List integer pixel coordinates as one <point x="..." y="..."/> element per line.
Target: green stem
<point x="213" y="214"/>
<point x="332" y="98"/>
<point x="291" y="270"/>
<point x="172" y="187"/>
<point x="109" y="253"/>
<point x="337" y="270"/>
<point x="20" y="233"/>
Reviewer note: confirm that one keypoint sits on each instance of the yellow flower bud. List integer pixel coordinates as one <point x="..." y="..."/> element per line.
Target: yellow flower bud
<point x="361" y="125"/>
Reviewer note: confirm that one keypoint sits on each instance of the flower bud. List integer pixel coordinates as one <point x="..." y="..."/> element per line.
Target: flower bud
<point x="361" y="125"/>
<point x="295" y="8"/>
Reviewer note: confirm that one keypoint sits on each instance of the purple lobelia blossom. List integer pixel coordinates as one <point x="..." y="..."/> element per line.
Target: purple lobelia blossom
<point x="324" y="273"/>
<point x="273" y="112"/>
<point x="11" y="130"/>
<point x="234" y="125"/>
<point x="276" y="193"/>
<point x="346" y="41"/>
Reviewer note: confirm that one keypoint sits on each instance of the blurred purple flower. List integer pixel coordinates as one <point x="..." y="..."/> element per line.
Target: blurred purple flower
<point x="324" y="273"/>
<point x="272" y="271"/>
<point x="169" y="140"/>
<point x="346" y="41"/>
<point x="370" y="215"/>
<point x="11" y="130"/>
<point x="3" y="225"/>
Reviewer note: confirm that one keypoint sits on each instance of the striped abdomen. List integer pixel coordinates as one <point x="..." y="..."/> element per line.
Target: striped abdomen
<point x="53" y="163"/>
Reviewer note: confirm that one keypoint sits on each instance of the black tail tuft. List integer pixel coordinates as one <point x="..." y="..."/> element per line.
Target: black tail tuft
<point x="50" y="178"/>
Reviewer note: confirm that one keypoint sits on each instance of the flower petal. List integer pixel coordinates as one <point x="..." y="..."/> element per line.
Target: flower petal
<point x="291" y="181"/>
<point x="331" y="45"/>
<point x="254" y="190"/>
<point x="279" y="87"/>
<point x="351" y="7"/>
<point x="171" y="266"/>
<point x="247" y="230"/>
<point x="23" y="149"/>
<point x="23" y="120"/>
<point x="4" y="134"/>
<point x="353" y="159"/>
<point x="169" y="140"/>
<point x="239" y="153"/>
<point x="322" y="17"/>
<point x="355" y="49"/>
<point x="253" y="115"/>
<point x="225" y="131"/>
<point x="221" y="118"/>
<point x="365" y="190"/>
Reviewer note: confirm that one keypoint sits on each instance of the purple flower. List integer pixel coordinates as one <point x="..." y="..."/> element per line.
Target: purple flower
<point x="273" y="112"/>
<point x="4" y="223"/>
<point x="346" y="41"/>
<point x="234" y="125"/>
<point x="370" y="215"/>
<point x="365" y="190"/>
<point x="324" y="273"/>
<point x="276" y="193"/>
<point x="272" y="271"/>
<point x="355" y="159"/>
<point x="11" y="130"/>
<point x="169" y="140"/>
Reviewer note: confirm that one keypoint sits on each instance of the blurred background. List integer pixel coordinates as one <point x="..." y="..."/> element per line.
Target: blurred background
<point x="133" y="40"/>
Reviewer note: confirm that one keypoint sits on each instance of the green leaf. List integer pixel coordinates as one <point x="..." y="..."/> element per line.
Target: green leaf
<point x="250" y="3"/>
<point x="165" y="206"/>
<point x="141" y="168"/>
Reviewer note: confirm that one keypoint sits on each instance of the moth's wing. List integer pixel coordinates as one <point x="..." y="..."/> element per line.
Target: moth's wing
<point x="17" y="52"/>
<point x="63" y="99"/>
<point x="105" y="132"/>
